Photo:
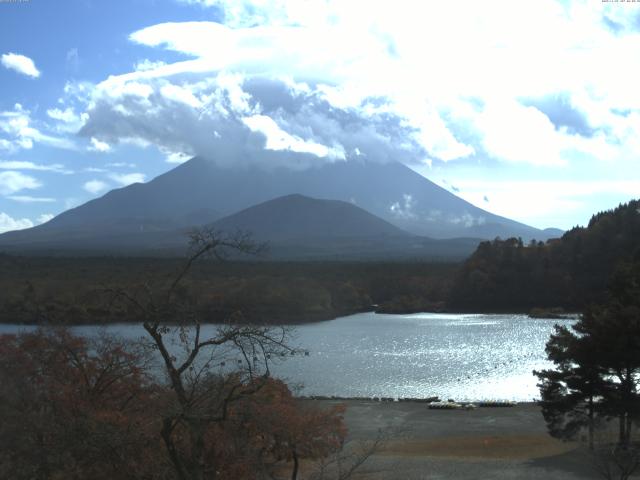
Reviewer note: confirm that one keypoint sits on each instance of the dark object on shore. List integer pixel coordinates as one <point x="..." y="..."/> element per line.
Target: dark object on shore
<point x="403" y="304"/>
<point x="496" y="403"/>
<point x="555" y="313"/>
<point x="419" y="400"/>
<point x="375" y="399"/>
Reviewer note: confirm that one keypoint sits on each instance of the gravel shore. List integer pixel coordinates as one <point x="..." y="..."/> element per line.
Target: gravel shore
<point x="483" y="443"/>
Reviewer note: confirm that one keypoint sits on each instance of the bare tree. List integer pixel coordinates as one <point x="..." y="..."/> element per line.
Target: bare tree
<point x="350" y="459"/>
<point x="202" y="391"/>
<point x="609" y="458"/>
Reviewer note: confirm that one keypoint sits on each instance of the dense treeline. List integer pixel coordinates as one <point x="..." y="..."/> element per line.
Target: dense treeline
<point x="570" y="272"/>
<point x="502" y="275"/>
<point x="596" y="374"/>
<point x="72" y="290"/>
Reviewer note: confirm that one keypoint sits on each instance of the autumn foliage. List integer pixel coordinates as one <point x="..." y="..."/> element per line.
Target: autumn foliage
<point x="279" y="429"/>
<point x="76" y="408"/>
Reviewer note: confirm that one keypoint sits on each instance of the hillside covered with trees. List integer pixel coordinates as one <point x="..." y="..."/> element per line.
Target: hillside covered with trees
<point x="66" y="290"/>
<point x="571" y="272"/>
<point x="501" y="276"/>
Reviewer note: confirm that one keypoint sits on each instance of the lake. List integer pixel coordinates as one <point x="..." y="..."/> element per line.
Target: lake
<point x="458" y="356"/>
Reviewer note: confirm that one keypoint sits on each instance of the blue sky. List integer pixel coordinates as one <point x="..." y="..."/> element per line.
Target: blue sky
<point x="530" y="110"/>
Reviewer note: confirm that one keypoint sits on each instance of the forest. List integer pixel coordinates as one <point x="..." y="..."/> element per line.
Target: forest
<point x="592" y="388"/>
<point x="63" y="290"/>
<point x="500" y="276"/>
<point x="570" y="272"/>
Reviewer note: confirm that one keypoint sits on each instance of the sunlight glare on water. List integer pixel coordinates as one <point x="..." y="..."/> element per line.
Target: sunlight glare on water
<point x="463" y="357"/>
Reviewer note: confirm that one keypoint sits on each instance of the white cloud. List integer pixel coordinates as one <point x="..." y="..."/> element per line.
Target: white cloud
<point x="549" y="203"/>
<point x="95" y="186"/>
<point x="278" y="139"/>
<point x="30" y="199"/>
<point x="440" y="85"/>
<point x="24" y="165"/>
<point x="67" y="115"/>
<point x="146" y="64"/>
<point x="515" y="133"/>
<point x="180" y="94"/>
<point x="120" y="165"/>
<point x="17" y="124"/>
<point x="467" y="220"/>
<point x="127" y="178"/>
<point x="99" y="146"/>
<point x="96" y="170"/>
<point x="20" y="64"/>
<point x="421" y="69"/>
<point x="404" y="208"/>
<point x="68" y="121"/>
<point x="176" y="157"/>
<point x="8" y="223"/>
<point x="12" y="182"/>
<point x="216" y="130"/>
<point x="45" y="217"/>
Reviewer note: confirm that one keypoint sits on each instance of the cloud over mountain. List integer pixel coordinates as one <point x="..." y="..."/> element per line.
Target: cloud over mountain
<point x="8" y="223"/>
<point x="465" y="91"/>
<point x="333" y="78"/>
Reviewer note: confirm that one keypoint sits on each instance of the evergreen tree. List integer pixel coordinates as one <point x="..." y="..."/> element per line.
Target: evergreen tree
<point x="597" y="364"/>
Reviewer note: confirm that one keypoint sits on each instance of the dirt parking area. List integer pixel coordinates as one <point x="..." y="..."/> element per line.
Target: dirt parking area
<point x="484" y="443"/>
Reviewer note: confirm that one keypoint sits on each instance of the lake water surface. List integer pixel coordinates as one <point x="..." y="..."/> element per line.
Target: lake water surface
<point x="464" y="357"/>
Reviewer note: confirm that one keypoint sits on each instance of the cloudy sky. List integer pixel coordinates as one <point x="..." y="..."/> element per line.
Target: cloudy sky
<point x="528" y="109"/>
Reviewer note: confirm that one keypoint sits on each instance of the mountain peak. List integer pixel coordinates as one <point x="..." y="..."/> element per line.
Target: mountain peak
<point x="200" y="192"/>
<point x="297" y="216"/>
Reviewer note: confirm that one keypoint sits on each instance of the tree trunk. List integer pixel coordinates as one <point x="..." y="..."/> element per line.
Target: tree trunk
<point x="621" y="425"/>
<point x="628" y="406"/>
<point x="591" y="423"/>
<point x="171" y="449"/>
<point x="196" y="432"/>
<point x="294" y="474"/>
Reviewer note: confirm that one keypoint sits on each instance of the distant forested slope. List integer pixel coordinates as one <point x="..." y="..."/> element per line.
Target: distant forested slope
<point x="571" y="272"/>
<point x="67" y="290"/>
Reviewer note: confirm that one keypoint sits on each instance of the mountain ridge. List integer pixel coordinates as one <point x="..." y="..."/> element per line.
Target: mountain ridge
<point x="297" y="216"/>
<point x="391" y="191"/>
<point x="199" y="192"/>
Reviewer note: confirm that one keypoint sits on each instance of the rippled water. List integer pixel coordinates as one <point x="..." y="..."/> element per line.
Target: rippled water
<point x="464" y="357"/>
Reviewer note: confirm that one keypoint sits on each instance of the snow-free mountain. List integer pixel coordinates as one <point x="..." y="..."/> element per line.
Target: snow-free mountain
<point x="304" y="228"/>
<point x="200" y="192"/>
<point x="296" y="217"/>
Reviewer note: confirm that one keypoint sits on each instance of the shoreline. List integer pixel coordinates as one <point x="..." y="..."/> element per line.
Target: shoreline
<point x="486" y="403"/>
<point x="300" y="322"/>
<point x="495" y="443"/>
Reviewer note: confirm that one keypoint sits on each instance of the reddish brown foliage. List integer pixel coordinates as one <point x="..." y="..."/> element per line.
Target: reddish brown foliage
<point x="272" y="428"/>
<point x="72" y="408"/>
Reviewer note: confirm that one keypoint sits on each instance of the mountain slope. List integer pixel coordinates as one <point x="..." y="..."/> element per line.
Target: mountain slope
<point x="390" y="191"/>
<point x="294" y="226"/>
<point x="298" y="217"/>
<point x="153" y="218"/>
